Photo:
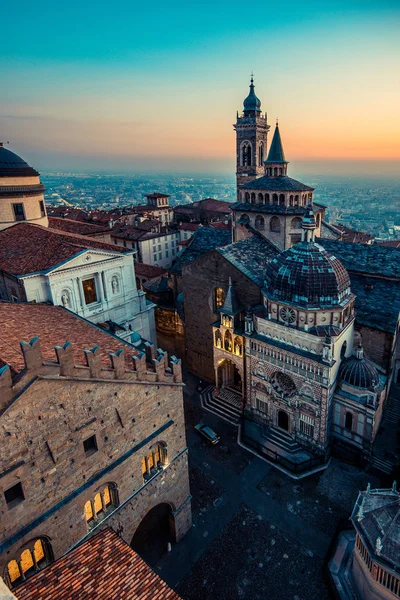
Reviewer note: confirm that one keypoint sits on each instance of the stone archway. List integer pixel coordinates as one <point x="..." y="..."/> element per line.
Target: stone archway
<point x="155" y="531"/>
<point x="228" y="375"/>
<point x="283" y="420"/>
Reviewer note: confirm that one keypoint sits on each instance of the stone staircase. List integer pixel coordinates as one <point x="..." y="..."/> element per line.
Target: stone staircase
<point x="282" y="440"/>
<point x="226" y="404"/>
<point x="385" y="451"/>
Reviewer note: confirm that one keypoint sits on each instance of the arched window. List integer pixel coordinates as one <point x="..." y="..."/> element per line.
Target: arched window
<point x="244" y="219"/>
<point x="219" y="298"/>
<point x="261" y="154"/>
<point x="228" y="341"/>
<point x="275" y="199"/>
<point x="260" y="198"/>
<point x="291" y="200"/>
<point x="95" y="510"/>
<point x="31" y="560"/>
<point x="266" y="199"/>
<point x="218" y="339"/>
<point x="155" y="460"/>
<point x="348" y="421"/>
<point x="259" y="222"/>
<point x="275" y="225"/>
<point x="295" y="223"/>
<point x="296" y="200"/>
<point x="237" y="346"/>
<point x="246" y="154"/>
<point x="280" y="171"/>
<point x="247" y="197"/>
<point x="282" y="199"/>
<point x="275" y="171"/>
<point x="253" y="198"/>
<point x="343" y="350"/>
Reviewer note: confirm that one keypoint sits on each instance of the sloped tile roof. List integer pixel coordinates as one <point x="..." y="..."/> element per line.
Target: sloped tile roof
<point x="54" y="326"/>
<point x="251" y="257"/>
<point x="202" y="241"/>
<point x="150" y="271"/>
<point x="366" y="258"/>
<point x="78" y="227"/>
<point x="27" y="248"/>
<point x="104" y="567"/>
<point x="279" y="184"/>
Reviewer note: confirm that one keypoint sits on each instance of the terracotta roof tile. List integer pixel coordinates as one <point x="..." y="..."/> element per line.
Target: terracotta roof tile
<point x="102" y="567"/>
<point x="27" y="248"/>
<point x="54" y="326"/>
<point x="144" y="270"/>
<point x="78" y="227"/>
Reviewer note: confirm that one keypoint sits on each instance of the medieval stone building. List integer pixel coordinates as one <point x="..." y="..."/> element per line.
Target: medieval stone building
<point x="92" y="435"/>
<point x="274" y="317"/>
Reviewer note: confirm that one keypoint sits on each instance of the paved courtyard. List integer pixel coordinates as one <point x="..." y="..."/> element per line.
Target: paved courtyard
<point x="256" y="533"/>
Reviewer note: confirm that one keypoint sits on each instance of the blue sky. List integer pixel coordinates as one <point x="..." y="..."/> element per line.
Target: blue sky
<point x="97" y="83"/>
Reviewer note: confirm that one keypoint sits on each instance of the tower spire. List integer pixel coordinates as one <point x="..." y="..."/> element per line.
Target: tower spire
<point x="276" y="163"/>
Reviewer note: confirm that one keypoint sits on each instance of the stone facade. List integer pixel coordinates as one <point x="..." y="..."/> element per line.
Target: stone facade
<point x="47" y="417"/>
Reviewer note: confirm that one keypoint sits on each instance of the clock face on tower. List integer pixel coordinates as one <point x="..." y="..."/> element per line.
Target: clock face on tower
<point x="287" y="314"/>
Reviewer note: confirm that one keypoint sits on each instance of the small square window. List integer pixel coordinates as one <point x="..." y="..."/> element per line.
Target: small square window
<point x="14" y="495"/>
<point x="90" y="445"/>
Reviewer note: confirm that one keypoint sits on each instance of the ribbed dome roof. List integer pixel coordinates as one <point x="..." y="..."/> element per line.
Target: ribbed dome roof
<point x="12" y="165"/>
<point x="252" y="103"/>
<point x="307" y="275"/>
<point x="359" y="371"/>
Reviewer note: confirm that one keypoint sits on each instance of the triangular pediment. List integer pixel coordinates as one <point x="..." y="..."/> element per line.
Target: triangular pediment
<point x="86" y="258"/>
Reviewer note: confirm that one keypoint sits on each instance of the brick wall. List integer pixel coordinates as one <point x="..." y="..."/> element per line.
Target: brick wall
<point x="42" y="431"/>
<point x="199" y="280"/>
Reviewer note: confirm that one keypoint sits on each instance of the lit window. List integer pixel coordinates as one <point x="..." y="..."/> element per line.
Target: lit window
<point x="88" y="512"/>
<point x="98" y="505"/>
<point x="156" y="458"/>
<point x="104" y="501"/>
<point x="219" y="297"/>
<point x="89" y="290"/>
<point x="31" y="560"/>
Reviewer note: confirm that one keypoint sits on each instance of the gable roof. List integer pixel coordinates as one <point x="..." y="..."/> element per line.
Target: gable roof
<point x="202" y="241"/>
<point x="77" y="227"/>
<point x="104" y="566"/>
<point x="54" y="326"/>
<point x="27" y="248"/>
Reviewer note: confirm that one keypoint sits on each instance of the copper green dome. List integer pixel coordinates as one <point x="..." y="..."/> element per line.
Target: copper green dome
<point x="307" y="275"/>
<point x="251" y="104"/>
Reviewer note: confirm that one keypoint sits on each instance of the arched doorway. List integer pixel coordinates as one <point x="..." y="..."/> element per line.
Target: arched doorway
<point x="229" y="376"/>
<point x="151" y="538"/>
<point x="283" y="420"/>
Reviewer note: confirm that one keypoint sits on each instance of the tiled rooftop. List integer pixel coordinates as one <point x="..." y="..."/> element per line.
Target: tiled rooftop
<point x="79" y="227"/>
<point x="202" y="241"/>
<point x="102" y="568"/>
<point x="54" y="326"/>
<point x="281" y="184"/>
<point x="366" y="258"/>
<point x="251" y="257"/>
<point x="27" y="248"/>
<point x="150" y="271"/>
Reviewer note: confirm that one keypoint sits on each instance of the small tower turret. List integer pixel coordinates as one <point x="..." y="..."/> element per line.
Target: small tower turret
<point x="276" y="163"/>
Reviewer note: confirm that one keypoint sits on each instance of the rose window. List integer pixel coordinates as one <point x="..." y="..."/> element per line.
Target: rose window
<point x="283" y="385"/>
<point x="287" y="314"/>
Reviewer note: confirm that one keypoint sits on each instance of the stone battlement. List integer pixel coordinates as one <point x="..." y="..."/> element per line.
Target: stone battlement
<point x="151" y="366"/>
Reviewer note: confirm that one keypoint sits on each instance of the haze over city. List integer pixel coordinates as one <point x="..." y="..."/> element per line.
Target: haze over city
<point x="140" y="88"/>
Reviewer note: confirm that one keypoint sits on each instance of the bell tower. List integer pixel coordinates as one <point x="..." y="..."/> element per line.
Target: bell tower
<point x="251" y="139"/>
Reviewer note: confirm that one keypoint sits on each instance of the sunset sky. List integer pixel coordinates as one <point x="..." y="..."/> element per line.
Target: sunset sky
<point x="156" y="85"/>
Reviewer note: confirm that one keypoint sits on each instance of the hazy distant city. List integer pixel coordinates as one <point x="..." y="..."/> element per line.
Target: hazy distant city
<point x="368" y="204"/>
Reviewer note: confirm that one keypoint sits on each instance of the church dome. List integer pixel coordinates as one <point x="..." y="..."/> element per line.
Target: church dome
<point x="359" y="371"/>
<point x="12" y="165"/>
<point x="307" y="275"/>
<point x="251" y="103"/>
